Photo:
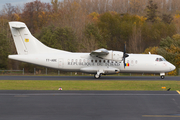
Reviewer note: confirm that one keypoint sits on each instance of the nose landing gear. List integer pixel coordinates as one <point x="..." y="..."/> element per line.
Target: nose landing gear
<point x="162" y="75"/>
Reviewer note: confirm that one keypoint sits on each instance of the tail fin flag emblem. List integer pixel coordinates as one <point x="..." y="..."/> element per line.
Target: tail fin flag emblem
<point x="26" y="40"/>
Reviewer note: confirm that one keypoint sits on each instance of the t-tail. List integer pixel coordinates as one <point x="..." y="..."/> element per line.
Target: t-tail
<point x="26" y="43"/>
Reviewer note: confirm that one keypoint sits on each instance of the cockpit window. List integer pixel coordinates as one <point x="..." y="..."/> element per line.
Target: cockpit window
<point x="164" y="59"/>
<point x="160" y="59"/>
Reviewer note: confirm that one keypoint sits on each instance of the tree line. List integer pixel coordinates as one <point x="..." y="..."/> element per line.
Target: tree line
<point x="86" y="25"/>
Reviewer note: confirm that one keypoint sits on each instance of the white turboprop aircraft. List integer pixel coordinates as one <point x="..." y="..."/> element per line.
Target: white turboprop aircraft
<point x="97" y="62"/>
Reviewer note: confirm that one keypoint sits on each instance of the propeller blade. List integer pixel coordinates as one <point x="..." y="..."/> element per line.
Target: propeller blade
<point x="125" y="55"/>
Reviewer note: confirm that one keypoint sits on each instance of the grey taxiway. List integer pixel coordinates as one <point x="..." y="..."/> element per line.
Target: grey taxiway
<point x="89" y="105"/>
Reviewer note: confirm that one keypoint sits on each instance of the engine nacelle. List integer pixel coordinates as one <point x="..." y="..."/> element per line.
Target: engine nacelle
<point x="114" y="55"/>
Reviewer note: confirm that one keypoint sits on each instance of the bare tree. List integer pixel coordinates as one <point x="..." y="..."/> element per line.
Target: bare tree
<point x="135" y="41"/>
<point x="8" y="11"/>
<point x="137" y="6"/>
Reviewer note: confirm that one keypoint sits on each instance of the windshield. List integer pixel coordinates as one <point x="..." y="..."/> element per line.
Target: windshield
<point x="160" y="59"/>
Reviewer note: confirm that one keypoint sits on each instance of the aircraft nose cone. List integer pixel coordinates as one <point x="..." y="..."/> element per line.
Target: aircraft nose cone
<point x="172" y="67"/>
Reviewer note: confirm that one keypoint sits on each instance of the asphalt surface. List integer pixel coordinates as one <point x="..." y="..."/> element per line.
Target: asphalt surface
<point x="177" y="78"/>
<point x="89" y="105"/>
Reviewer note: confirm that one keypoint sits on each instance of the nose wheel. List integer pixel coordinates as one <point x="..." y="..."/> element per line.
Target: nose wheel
<point x="162" y="77"/>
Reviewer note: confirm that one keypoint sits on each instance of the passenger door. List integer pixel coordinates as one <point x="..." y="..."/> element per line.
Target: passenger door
<point x="61" y="63"/>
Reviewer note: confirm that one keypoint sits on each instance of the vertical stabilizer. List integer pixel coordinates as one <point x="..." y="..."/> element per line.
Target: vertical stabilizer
<point x="25" y="42"/>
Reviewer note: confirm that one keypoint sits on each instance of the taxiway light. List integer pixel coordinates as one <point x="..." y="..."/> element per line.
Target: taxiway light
<point x="60" y="88"/>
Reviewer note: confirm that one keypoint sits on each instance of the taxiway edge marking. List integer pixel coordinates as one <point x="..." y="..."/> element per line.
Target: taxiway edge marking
<point x="160" y="116"/>
<point x="178" y="91"/>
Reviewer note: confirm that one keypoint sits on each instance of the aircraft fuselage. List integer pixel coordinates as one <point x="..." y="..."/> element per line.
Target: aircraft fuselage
<point x="83" y="62"/>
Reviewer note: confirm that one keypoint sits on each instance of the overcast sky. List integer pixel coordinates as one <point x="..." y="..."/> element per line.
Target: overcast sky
<point x="17" y="2"/>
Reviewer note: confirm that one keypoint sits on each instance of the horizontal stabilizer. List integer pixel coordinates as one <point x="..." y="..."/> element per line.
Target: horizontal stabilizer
<point x="17" y="27"/>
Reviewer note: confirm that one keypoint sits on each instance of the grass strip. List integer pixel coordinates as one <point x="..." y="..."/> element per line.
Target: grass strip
<point x="87" y="85"/>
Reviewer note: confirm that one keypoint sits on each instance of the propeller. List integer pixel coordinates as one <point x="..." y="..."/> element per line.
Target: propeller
<point x="125" y="54"/>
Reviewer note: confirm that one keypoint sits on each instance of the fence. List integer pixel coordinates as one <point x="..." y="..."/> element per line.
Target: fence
<point x="46" y="72"/>
<point x="10" y="71"/>
<point x="36" y="71"/>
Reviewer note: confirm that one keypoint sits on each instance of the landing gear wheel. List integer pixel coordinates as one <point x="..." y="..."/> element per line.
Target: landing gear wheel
<point x="162" y="77"/>
<point x="97" y="76"/>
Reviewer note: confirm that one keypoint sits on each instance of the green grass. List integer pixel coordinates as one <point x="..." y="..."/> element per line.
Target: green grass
<point x="87" y="85"/>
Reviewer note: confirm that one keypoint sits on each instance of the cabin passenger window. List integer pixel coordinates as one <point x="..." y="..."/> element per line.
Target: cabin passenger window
<point x="91" y="60"/>
<point x="99" y="60"/>
<point x="95" y="60"/>
<point x="104" y="61"/>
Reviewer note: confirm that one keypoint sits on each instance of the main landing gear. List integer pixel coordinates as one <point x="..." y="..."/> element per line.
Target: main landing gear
<point x="97" y="76"/>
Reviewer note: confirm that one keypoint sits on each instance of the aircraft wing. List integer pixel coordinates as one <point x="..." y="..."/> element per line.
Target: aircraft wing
<point x="99" y="52"/>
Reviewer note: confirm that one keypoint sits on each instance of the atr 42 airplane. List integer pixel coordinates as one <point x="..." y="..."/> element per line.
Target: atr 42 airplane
<point x="98" y="62"/>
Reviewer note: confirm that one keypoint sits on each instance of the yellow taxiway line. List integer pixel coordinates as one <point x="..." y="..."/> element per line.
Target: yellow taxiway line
<point x="160" y="116"/>
<point x="178" y="91"/>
